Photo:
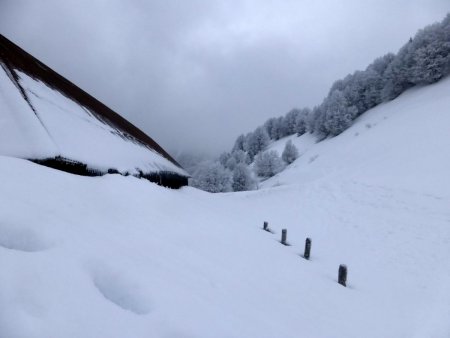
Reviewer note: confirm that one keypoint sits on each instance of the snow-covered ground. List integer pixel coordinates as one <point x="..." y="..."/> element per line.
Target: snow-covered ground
<point x="116" y="256"/>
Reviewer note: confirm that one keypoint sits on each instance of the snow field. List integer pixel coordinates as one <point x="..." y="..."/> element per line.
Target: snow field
<point x="121" y="257"/>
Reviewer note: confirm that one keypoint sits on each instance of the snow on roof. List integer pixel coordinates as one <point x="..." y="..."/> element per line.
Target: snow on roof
<point x="43" y="115"/>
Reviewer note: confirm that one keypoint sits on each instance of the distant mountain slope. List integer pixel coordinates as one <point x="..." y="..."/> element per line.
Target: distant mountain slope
<point x="44" y="116"/>
<point x="403" y="142"/>
<point x="423" y="60"/>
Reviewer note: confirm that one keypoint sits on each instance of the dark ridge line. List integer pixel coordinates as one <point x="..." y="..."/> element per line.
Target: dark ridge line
<point x="19" y="59"/>
<point x="14" y="77"/>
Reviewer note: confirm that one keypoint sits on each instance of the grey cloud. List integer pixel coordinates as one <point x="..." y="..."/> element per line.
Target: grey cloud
<point x="195" y="74"/>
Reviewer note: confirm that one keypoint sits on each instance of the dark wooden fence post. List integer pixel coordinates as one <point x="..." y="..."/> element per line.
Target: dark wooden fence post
<point x="307" y="253"/>
<point x="342" y="279"/>
<point x="265" y="226"/>
<point x="283" y="236"/>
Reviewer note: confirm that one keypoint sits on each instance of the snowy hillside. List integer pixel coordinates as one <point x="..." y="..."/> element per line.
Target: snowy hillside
<point x="116" y="256"/>
<point x="401" y="144"/>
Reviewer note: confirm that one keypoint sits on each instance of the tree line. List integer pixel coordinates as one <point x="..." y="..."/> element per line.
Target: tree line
<point x="423" y="60"/>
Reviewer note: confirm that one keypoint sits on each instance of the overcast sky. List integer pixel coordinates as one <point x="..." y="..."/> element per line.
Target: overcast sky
<point x="195" y="74"/>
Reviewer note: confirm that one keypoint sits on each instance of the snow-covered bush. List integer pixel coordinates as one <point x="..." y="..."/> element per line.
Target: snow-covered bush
<point x="268" y="164"/>
<point x="212" y="177"/>
<point x="242" y="178"/>
<point x="290" y="152"/>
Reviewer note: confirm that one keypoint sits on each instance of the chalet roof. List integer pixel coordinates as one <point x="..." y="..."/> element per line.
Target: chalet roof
<point x="71" y="123"/>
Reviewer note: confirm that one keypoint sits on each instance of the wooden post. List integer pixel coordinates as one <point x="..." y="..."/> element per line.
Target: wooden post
<point x="342" y="279"/>
<point x="307" y="248"/>
<point x="283" y="236"/>
<point x="265" y="226"/>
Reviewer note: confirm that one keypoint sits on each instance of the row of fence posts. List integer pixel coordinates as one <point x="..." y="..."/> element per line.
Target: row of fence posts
<point x="342" y="272"/>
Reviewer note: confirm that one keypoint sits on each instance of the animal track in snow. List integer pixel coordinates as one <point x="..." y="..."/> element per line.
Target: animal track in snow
<point x="22" y="238"/>
<point x="121" y="291"/>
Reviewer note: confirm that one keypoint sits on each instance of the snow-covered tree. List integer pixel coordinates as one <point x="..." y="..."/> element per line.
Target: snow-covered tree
<point x="338" y="116"/>
<point x="431" y="53"/>
<point x="312" y="120"/>
<point x="231" y="163"/>
<point x="257" y="142"/>
<point x="269" y="125"/>
<point x="301" y="121"/>
<point x="268" y="164"/>
<point x="290" y="121"/>
<point x="224" y="157"/>
<point x="212" y="177"/>
<point x="241" y="157"/>
<point x="281" y="128"/>
<point x="397" y="73"/>
<point x="290" y="152"/>
<point x="242" y="178"/>
<point x="239" y="144"/>
<point x="276" y="128"/>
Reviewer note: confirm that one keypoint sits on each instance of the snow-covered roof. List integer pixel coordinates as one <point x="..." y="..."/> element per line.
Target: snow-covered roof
<point x="43" y="115"/>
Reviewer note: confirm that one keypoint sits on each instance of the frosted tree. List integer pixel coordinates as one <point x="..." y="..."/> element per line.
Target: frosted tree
<point x="276" y="128"/>
<point x="269" y="125"/>
<point x="338" y="116"/>
<point x="282" y="128"/>
<point x="379" y="65"/>
<point x="290" y="121"/>
<point x="316" y="121"/>
<point x="375" y="80"/>
<point x="257" y="142"/>
<point x="354" y="91"/>
<point x="241" y="157"/>
<point x="231" y="163"/>
<point x="301" y="121"/>
<point x="397" y="73"/>
<point x="212" y="177"/>
<point x="290" y="152"/>
<point x="268" y="164"/>
<point x="242" y="178"/>
<point x="431" y="48"/>
<point x="239" y="144"/>
<point x="224" y="157"/>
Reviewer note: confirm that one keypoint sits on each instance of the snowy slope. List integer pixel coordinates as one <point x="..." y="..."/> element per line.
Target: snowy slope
<point x="60" y="126"/>
<point x="399" y="143"/>
<point x="116" y="256"/>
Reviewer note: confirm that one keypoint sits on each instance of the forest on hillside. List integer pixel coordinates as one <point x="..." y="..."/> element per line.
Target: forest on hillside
<point x="423" y="60"/>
